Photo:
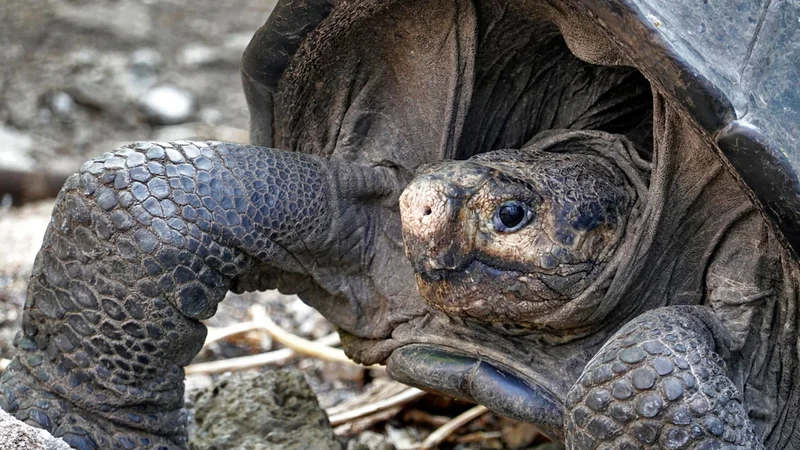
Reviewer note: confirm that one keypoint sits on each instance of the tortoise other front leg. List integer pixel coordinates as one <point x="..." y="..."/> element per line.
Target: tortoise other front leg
<point x="659" y="383"/>
<point x="143" y="244"/>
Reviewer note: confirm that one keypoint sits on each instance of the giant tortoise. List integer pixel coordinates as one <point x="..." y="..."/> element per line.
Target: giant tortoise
<point x="579" y="213"/>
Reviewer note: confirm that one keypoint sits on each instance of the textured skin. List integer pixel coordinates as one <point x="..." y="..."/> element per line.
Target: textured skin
<point x="659" y="383"/>
<point x="143" y="244"/>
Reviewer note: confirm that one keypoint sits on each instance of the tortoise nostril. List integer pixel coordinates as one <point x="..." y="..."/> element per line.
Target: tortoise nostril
<point x="426" y="210"/>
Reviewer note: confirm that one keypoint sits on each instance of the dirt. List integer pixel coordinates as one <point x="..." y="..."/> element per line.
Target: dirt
<point x="79" y="78"/>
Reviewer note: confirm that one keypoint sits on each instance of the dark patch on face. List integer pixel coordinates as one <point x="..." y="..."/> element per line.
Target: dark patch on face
<point x="549" y="262"/>
<point x="590" y="216"/>
<point x="564" y="236"/>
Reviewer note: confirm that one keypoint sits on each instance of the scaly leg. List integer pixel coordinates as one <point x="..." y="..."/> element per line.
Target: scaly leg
<point x="143" y="244"/>
<point x="660" y="383"/>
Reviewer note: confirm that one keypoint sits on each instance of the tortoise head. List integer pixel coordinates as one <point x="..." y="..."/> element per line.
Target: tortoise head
<point x="517" y="236"/>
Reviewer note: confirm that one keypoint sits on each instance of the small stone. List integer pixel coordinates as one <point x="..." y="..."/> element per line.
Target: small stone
<point x="198" y="55"/>
<point x="24" y="436"/>
<point x="62" y="103"/>
<point x="167" y="105"/>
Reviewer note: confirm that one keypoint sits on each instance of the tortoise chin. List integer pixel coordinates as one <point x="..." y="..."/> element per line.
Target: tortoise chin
<point x="489" y="294"/>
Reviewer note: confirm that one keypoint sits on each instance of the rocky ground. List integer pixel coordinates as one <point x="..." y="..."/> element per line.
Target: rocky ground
<point x="80" y="77"/>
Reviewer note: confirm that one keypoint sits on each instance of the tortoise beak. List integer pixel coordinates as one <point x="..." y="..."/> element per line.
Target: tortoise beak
<point x="433" y="235"/>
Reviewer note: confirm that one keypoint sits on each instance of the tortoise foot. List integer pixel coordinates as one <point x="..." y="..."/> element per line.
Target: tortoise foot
<point x="22" y="396"/>
<point x="659" y="383"/>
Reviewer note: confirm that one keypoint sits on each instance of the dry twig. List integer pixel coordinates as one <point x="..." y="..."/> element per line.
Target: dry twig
<point x="479" y="436"/>
<point x="251" y="361"/>
<point x="441" y="433"/>
<point x="402" y="398"/>
<point x="361" y="424"/>
<point x="321" y="348"/>
<point x="294" y="342"/>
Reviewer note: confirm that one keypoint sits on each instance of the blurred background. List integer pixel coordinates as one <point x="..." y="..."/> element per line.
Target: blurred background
<point x="81" y="77"/>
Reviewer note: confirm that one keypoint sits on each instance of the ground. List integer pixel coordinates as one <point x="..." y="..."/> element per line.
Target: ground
<point x="79" y="78"/>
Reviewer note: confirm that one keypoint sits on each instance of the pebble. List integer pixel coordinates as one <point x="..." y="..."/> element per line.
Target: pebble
<point x="62" y="103"/>
<point x="167" y="105"/>
<point x="194" y="55"/>
<point x="15" y="150"/>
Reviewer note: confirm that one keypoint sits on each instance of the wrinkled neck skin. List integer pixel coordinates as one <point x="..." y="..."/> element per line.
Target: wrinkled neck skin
<point x="415" y="82"/>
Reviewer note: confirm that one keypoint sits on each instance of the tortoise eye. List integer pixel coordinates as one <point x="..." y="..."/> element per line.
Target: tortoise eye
<point x="511" y="216"/>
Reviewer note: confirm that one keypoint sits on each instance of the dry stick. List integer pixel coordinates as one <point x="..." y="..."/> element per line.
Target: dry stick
<point x="260" y="321"/>
<point x="251" y="361"/>
<point x="218" y="334"/>
<point x="402" y="398"/>
<point x="295" y="342"/>
<point x="361" y="424"/>
<point x="478" y="437"/>
<point x="447" y="429"/>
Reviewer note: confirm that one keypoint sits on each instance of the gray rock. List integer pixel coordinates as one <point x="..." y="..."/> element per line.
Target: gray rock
<point x="15" y="150"/>
<point x="259" y="411"/>
<point x="369" y="440"/>
<point x="16" y="435"/>
<point x="167" y="105"/>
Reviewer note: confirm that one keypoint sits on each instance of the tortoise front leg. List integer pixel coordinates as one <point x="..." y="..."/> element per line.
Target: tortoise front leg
<point x="143" y="244"/>
<point x="659" y="383"/>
